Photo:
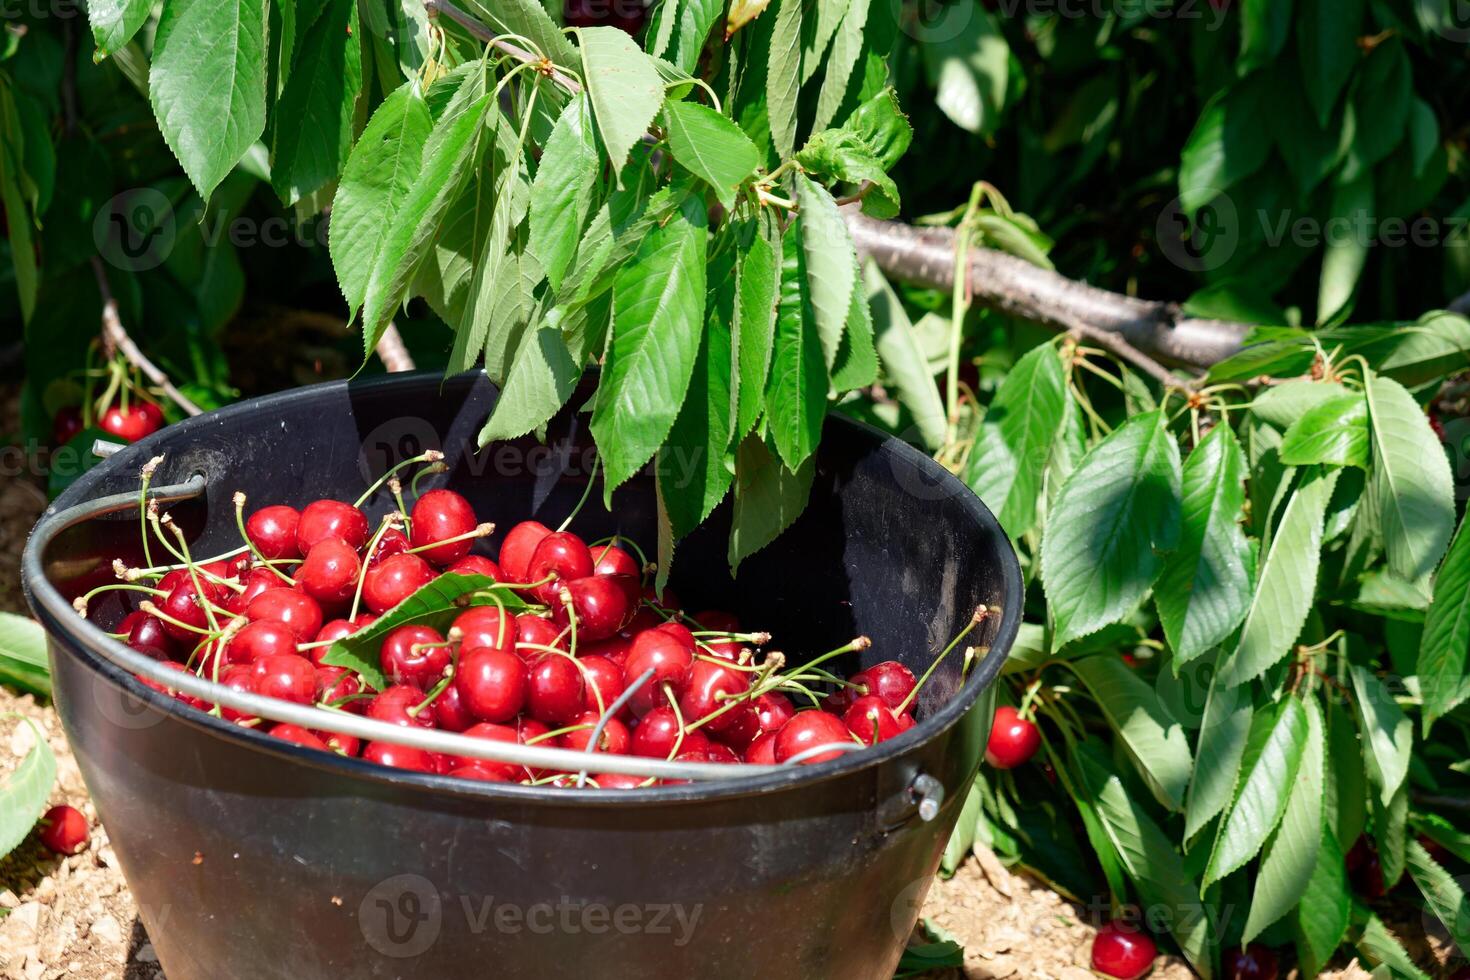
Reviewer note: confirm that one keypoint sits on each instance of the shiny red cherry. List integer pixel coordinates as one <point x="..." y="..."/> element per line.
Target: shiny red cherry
<point x="708" y="687"/>
<point x="535" y="630"/>
<point x="658" y="731"/>
<point x="301" y="736"/>
<point x="669" y="659"/>
<point x="616" y="780"/>
<point x="603" y="604"/>
<point x="185" y="603"/>
<point x="603" y="680"/>
<point x="261" y="638"/>
<point x="871" y="720"/>
<point x="482" y="774"/>
<point x="1122" y="951"/>
<point x="762" y="752"/>
<point x="438" y="516"/>
<point x="493" y="733"/>
<point x="146" y="634"/>
<point x="241" y="678"/>
<point x="1013" y="739"/>
<point x="609" y="559"/>
<point x="397" y="704"/>
<point x="614" y="740"/>
<point x="415" y="655"/>
<point x="477" y="565"/>
<point x="492" y="684"/>
<point x="63" y="830"/>
<point x="323" y="519"/>
<point x="889" y="680"/>
<point x="808" y="730"/>
<point x="561" y="556"/>
<point x="273" y="531"/>
<point x="400" y="757"/>
<point x="515" y="552"/>
<point x="450" y="712"/>
<point x="554" y="689"/>
<point x="485" y="628"/>
<point x="139" y="420"/>
<point x="256" y="581"/>
<point x="329" y="572"/>
<point x="335" y="684"/>
<point x="394" y="579"/>
<point x="297" y="611"/>
<point x="287" y="677"/>
<point x="774" y="709"/>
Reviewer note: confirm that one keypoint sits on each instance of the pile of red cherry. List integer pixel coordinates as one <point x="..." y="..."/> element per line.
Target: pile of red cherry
<point x="263" y="618"/>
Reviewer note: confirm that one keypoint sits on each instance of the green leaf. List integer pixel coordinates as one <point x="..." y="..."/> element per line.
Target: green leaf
<point x="1348" y="787"/>
<point x="712" y="147"/>
<point x="1205" y="589"/>
<point x="434" y="604"/>
<point x="1327" y="47"/>
<point x="903" y="362"/>
<point x="1382" y="95"/>
<point x="968" y="62"/>
<point x="1287" y="580"/>
<point x="783" y="76"/>
<point x="450" y="154"/>
<point x="1115" y="518"/>
<point x="1346" y="253"/>
<point x="542" y="377"/>
<point x="1334" y="432"/>
<point x="1379" y="946"/>
<point x="19" y="227"/>
<point x="624" y="87"/>
<point x="828" y="267"/>
<point x="695" y="467"/>
<point x="1273" y="756"/>
<point x="1016" y="437"/>
<point x="318" y="105"/>
<point x="1443" y="894"/>
<point x="1264" y="27"/>
<point x="768" y="497"/>
<point x="883" y="128"/>
<point x="1292" y="852"/>
<point x="566" y="184"/>
<point x="23" y="662"/>
<point x="24" y="792"/>
<point x="1154" y="739"/>
<point x="1163" y="881"/>
<point x="843" y="154"/>
<point x="1228" y="144"/>
<point x="1223" y="732"/>
<point x="847" y="48"/>
<point x="696" y="20"/>
<point x="1321" y="918"/>
<point x="207" y="84"/>
<point x="857" y="359"/>
<point x="758" y="272"/>
<point x="374" y="184"/>
<point x="796" y="393"/>
<point x="963" y="836"/>
<point x="114" y="22"/>
<point x="1446" y="641"/>
<point x="528" y="19"/>
<point x="1411" y="481"/>
<point x="1388" y="737"/>
<point x="658" y="315"/>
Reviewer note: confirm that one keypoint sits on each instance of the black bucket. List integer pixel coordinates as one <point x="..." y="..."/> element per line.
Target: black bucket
<point x="252" y="857"/>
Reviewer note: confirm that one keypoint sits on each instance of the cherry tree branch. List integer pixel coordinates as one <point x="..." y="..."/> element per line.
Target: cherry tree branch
<point x="115" y="338"/>
<point x="392" y="351"/>
<point x="478" y="30"/>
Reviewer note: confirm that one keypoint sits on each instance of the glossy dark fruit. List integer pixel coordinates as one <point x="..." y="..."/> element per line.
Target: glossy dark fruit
<point x="262" y="638"/>
<point x="1013" y="739"/>
<point x="301" y="736"/>
<point x="609" y="559"/>
<point x="773" y="709"/>
<point x="562" y="557"/>
<point x="762" y="752"/>
<point x="440" y="515"/>
<point x="613" y="741"/>
<point x="540" y="632"/>
<point x="415" y="655"/>
<point x="706" y="690"/>
<point x="273" y="531"/>
<point x="287" y="677"/>
<point x="1122" y="951"/>
<point x="477" y="565"/>
<point x="185" y="603"/>
<point x="602" y="681"/>
<point x="491" y="732"/>
<point x="485" y="628"/>
<point x="616" y="780"/>
<point x="515" y="552"/>
<point x="554" y="689"/>
<point x="668" y="657"/>
<point x="872" y="720"/>
<point x="808" y="730"/>
<point x="603" y="604"/>
<point x="323" y="519"/>
<point x="138" y="420"/>
<point x="450" y="712"/>
<point x="329" y="572"/>
<point x="63" y="830"/>
<point x="889" y="680"/>
<point x="1255" y="962"/>
<point x="146" y="634"/>
<point x="399" y="757"/>
<point x="297" y="611"/>
<point x="492" y="684"/>
<point x="397" y="705"/>
<point x="394" y="579"/>
<point x="66" y="425"/>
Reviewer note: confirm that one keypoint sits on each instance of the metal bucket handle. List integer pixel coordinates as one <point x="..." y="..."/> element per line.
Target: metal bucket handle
<point x="53" y="522"/>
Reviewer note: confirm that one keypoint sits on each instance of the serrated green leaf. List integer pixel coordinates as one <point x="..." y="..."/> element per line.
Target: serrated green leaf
<point x="1380" y="947"/>
<point x="904" y="364"/>
<point x="1016" y="436"/>
<point x="1443" y="894"/>
<point x="1334" y="432"/>
<point x="857" y="359"/>
<point x="847" y="48"/>
<point x="542" y="377"/>
<point x="1223" y="732"/>
<point x="1348" y="793"/>
<point x="1154" y="738"/>
<point x="207" y="84"/>
<point x="565" y="186"/>
<point x="1411" y="480"/>
<point x="1287" y="581"/>
<point x="1269" y="769"/>
<point x="1205" y="588"/>
<point x="624" y="87"/>
<point x="1446" y="641"/>
<point x="783" y="75"/>
<point x="658" y="316"/>
<point x="24" y="792"/>
<point x="796" y="392"/>
<point x="1292" y="852"/>
<point x="1228" y="145"/>
<point x="114" y="22"/>
<point x="758" y="270"/>
<point x="712" y="147"/>
<point x="1113" y="522"/>
<point x="768" y="497"/>
<point x="968" y="62"/>
<point x="695" y="21"/>
<point x="527" y="19"/>
<point x="321" y="94"/>
<point x="828" y="267"/>
<point x="1388" y="736"/>
<point x="1321" y="918"/>
<point x="23" y="662"/>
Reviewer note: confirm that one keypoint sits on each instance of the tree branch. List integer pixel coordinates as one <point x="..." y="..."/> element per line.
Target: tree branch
<point x="392" y="352"/>
<point x="116" y="338"/>
<point x="1013" y="286"/>
<point x="478" y="30"/>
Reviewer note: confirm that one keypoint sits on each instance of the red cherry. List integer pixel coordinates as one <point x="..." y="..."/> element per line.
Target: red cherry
<point x="335" y="683"/>
<point x="485" y="628"/>
<point x="492" y="684"/>
<point x="437" y="516"/>
<point x="66" y="425"/>
<point x="609" y="559"/>
<point x="273" y="531"/>
<point x="323" y="519"/>
<point x="1122" y="951"/>
<point x="889" y="680"/>
<point x="722" y="753"/>
<point x="762" y="752"/>
<point x="295" y="610"/>
<point x="670" y="660"/>
<point x="554" y="689"/>
<point x="331" y="633"/>
<point x="774" y="709"/>
<point x="737" y="727"/>
<point x="603" y="678"/>
<point x="1013" y="739"/>
<point x="299" y="735"/>
<point x="560" y="555"/>
<point x="603" y="604"/>
<point x="287" y="677"/>
<point x="654" y="736"/>
<point x="808" y="730"/>
<point x="185" y="603"/>
<point x="718" y="621"/>
<point x="482" y="773"/>
<point x="515" y="553"/>
<point x="535" y="630"/>
<point x="614" y="740"/>
<point x="146" y="634"/>
<point x="493" y="733"/>
<point x="262" y="638"/>
<point x="391" y="542"/>
<point x="681" y="633"/>
<point x="614" y="648"/>
<point x="616" y="780"/>
<point x="400" y="757"/>
<point x="394" y="579"/>
<point x="450" y="712"/>
<point x="707" y="690"/>
<point x="329" y="572"/>
<point x="394" y="705"/>
<point x="256" y="581"/>
<point x="871" y="720"/>
<point x="142" y="419"/>
<point x="237" y="677"/>
<point x="64" y="830"/>
<point x="414" y="655"/>
<point x="477" y="565"/>
<point x="1255" y="962"/>
<point x="176" y="695"/>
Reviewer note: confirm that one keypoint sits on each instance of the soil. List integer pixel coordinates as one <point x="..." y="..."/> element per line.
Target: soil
<point x="74" y="917"/>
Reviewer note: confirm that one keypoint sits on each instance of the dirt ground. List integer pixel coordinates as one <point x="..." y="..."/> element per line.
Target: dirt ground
<point x="75" y="918"/>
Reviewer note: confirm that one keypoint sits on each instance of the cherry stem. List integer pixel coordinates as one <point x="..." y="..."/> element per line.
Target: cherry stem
<point x="153" y="610"/>
<point x="566" y="601"/>
<point x="586" y="493"/>
<point x="428" y="456"/>
<point x="194" y="575"/>
<point x="254" y="551"/>
<point x="559" y="731"/>
<point x="432" y="468"/>
<point x="81" y="602"/>
<point x="434" y="692"/>
<point x="981" y="613"/>
<point x="147" y="478"/>
<point x="611" y="712"/>
<point x="366" y="561"/>
<point x="478" y="532"/>
<point x="678" y="719"/>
